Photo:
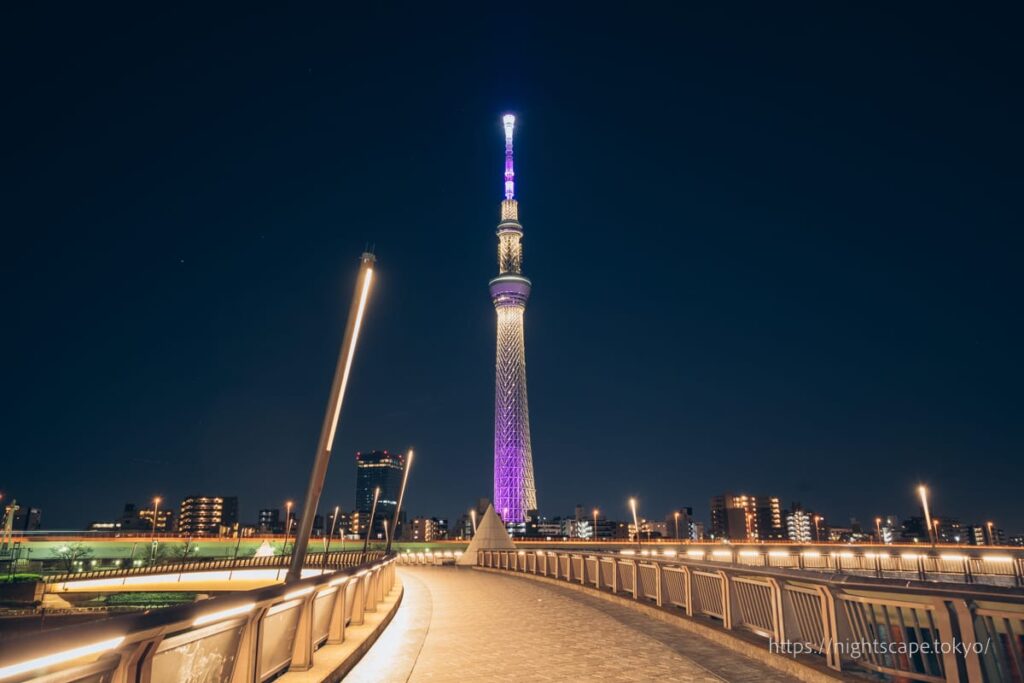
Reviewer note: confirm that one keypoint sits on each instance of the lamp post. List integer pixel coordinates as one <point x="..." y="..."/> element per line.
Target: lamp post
<point x="991" y="536"/>
<point x="676" y="515"/>
<point x="152" y="547"/>
<point x="878" y="529"/>
<point x="936" y="525"/>
<point x="387" y="534"/>
<point x="923" y="492"/>
<point x="331" y="415"/>
<point x="156" y="509"/>
<point x="373" y="512"/>
<point x="817" y="529"/>
<point x="595" y="524"/>
<point x="334" y="524"/>
<point x="636" y="524"/>
<point x="287" y="525"/>
<point x="401" y="496"/>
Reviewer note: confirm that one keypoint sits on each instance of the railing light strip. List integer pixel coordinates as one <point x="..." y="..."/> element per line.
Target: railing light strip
<point x="298" y="593"/>
<point x="60" y="657"/>
<point x="224" y="614"/>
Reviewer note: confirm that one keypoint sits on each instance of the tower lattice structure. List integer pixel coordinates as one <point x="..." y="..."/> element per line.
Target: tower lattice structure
<point x="514" y="489"/>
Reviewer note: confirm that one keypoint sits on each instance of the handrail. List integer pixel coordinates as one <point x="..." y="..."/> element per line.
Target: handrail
<point x="908" y="629"/>
<point x="246" y="635"/>
<point x="978" y="564"/>
<point x="335" y="559"/>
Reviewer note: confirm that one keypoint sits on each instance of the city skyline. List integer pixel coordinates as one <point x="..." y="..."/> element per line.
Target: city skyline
<point x="761" y="272"/>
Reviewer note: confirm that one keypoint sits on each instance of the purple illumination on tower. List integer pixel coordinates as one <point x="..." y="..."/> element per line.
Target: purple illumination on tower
<point x="510" y="175"/>
<point x="514" y="490"/>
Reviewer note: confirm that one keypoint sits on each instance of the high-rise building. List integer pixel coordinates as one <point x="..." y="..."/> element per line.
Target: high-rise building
<point x="421" y="529"/>
<point x="987" y="534"/>
<point x="269" y="521"/>
<point x="515" y="492"/>
<point x="18" y="517"/>
<point x="678" y="523"/>
<point x="377" y="469"/>
<point x="207" y="515"/>
<point x="740" y="517"/>
<point x="135" y="518"/>
<point x="799" y="526"/>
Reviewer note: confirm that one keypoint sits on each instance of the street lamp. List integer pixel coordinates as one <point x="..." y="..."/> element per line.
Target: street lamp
<point x="595" y="524"/>
<point x="156" y="508"/>
<point x="152" y="545"/>
<point x="287" y="525"/>
<point x="923" y="492"/>
<point x="373" y="511"/>
<point x="991" y="537"/>
<point x="817" y="529"/>
<point x="636" y="524"/>
<point x="332" y="414"/>
<point x="334" y="524"/>
<point x="401" y="495"/>
<point x="676" y="515"/>
<point x="935" y="524"/>
<point x="878" y="529"/>
<point x="472" y="516"/>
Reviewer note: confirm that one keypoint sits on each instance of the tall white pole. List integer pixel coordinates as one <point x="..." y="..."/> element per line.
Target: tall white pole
<point x="331" y="415"/>
<point x="923" y="492"/>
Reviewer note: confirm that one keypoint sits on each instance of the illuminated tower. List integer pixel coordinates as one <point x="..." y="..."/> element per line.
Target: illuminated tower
<point x="514" y="490"/>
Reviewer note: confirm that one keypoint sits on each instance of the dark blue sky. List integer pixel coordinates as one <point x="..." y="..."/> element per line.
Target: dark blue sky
<point x="772" y="250"/>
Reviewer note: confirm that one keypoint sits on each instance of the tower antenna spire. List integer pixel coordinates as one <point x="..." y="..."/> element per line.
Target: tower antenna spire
<point x="509" y="122"/>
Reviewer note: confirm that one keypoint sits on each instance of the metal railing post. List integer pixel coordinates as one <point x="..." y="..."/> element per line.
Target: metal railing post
<point x="302" y="646"/>
<point x="336" y="625"/>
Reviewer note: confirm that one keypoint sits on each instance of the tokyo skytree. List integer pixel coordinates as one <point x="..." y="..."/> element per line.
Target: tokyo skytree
<point x="514" y="490"/>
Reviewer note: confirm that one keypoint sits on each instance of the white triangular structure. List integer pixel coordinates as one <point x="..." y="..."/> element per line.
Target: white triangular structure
<point x="490" y="534"/>
<point x="265" y="550"/>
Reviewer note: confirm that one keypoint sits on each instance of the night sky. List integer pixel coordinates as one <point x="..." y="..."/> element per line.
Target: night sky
<point x="773" y="251"/>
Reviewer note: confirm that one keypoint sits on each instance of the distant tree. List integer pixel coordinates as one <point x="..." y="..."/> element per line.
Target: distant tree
<point x="176" y="551"/>
<point x="72" y="553"/>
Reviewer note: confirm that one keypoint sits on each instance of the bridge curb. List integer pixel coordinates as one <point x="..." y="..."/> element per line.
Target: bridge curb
<point x="797" y="669"/>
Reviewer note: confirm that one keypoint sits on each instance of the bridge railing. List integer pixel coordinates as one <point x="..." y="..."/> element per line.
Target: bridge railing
<point x="995" y="565"/>
<point x="333" y="560"/>
<point x="438" y="558"/>
<point x="236" y="637"/>
<point x="903" y="630"/>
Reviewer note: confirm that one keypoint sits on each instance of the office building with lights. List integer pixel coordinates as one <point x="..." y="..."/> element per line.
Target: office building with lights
<point x="375" y="469"/>
<point x="741" y="517"/>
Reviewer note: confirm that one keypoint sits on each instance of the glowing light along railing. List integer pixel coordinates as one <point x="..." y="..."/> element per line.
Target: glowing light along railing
<point x="122" y="647"/>
<point x="60" y="657"/>
<point x="830" y="615"/>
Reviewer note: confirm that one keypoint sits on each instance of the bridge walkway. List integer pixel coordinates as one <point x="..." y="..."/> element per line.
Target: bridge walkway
<point x="460" y="624"/>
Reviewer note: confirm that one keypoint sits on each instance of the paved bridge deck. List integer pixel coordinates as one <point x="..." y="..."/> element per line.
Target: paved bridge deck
<point x="467" y="625"/>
